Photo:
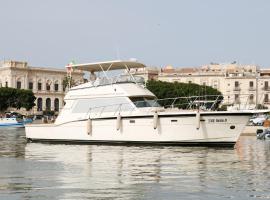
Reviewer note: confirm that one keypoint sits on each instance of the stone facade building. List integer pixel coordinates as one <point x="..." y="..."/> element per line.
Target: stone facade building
<point x="241" y="85"/>
<point x="46" y="83"/>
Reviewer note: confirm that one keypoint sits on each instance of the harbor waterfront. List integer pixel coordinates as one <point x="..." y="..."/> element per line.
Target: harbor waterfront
<point x="50" y="171"/>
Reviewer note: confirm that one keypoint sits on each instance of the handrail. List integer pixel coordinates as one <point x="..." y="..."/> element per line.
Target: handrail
<point x="209" y="102"/>
<point x="150" y="104"/>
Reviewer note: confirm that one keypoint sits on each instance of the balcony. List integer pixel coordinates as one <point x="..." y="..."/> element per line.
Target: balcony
<point x="266" y="88"/>
<point x="236" y="89"/>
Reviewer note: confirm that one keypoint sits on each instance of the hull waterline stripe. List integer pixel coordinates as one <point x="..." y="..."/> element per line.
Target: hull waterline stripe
<point x="110" y="142"/>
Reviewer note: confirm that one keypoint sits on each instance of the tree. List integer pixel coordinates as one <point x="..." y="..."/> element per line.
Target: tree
<point x="68" y="80"/>
<point x="25" y="99"/>
<point x="165" y="90"/>
<point x="16" y="98"/>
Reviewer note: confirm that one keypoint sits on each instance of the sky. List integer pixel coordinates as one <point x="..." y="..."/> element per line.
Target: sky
<point x="180" y="33"/>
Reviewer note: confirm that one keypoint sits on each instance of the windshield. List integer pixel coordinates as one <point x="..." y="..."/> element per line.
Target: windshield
<point x="141" y="102"/>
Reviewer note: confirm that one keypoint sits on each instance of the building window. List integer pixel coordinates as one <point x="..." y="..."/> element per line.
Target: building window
<point x="39" y="86"/>
<point x="48" y="87"/>
<point x="6" y="84"/>
<point x="56" y="104"/>
<point x="30" y="85"/>
<point x="189" y="82"/>
<point x="236" y="98"/>
<point x="56" y="86"/>
<point x="48" y="104"/>
<point x="251" y="84"/>
<point x="266" y="98"/>
<point x="236" y="84"/>
<point x="39" y="104"/>
<point x="19" y="84"/>
<point x="251" y="98"/>
<point x="266" y="85"/>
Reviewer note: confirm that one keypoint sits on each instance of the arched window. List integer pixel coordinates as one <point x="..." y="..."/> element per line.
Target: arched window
<point x="48" y="104"/>
<point x="39" y="85"/>
<point x="48" y="85"/>
<point x="39" y="104"/>
<point x="56" y="104"/>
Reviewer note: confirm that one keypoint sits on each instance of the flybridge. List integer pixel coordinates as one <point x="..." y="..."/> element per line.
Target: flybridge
<point x="104" y="68"/>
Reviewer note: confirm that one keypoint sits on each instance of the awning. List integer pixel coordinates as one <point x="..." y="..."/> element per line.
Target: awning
<point x="106" y="66"/>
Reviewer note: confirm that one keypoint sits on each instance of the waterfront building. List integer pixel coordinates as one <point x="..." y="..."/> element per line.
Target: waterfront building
<point x="46" y="83"/>
<point x="148" y="73"/>
<point x="241" y="85"/>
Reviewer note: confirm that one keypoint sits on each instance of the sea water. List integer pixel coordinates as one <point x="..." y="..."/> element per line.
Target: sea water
<point x="52" y="171"/>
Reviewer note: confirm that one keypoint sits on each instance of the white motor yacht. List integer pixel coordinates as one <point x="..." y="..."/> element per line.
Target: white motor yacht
<point x="121" y="110"/>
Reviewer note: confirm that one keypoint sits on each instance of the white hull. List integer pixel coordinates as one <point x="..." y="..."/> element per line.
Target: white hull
<point x="120" y="110"/>
<point x="171" y="129"/>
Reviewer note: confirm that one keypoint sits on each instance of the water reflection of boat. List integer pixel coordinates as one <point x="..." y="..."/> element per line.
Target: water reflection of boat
<point x="43" y="171"/>
<point x="116" y="110"/>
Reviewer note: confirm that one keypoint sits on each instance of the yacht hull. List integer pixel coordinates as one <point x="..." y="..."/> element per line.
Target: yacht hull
<point x="166" y="129"/>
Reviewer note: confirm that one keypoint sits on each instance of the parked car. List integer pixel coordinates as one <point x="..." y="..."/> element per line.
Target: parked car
<point x="258" y="120"/>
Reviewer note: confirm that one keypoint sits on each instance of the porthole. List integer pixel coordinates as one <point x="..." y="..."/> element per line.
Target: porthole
<point x="232" y="127"/>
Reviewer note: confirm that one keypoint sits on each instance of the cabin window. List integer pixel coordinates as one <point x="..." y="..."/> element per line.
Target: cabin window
<point x="102" y="105"/>
<point x="141" y="102"/>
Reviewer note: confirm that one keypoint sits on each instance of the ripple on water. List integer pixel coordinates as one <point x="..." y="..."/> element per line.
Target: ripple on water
<point x="44" y="171"/>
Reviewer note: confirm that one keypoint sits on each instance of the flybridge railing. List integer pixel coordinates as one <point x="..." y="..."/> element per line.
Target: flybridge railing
<point x="208" y="102"/>
<point x="117" y="79"/>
